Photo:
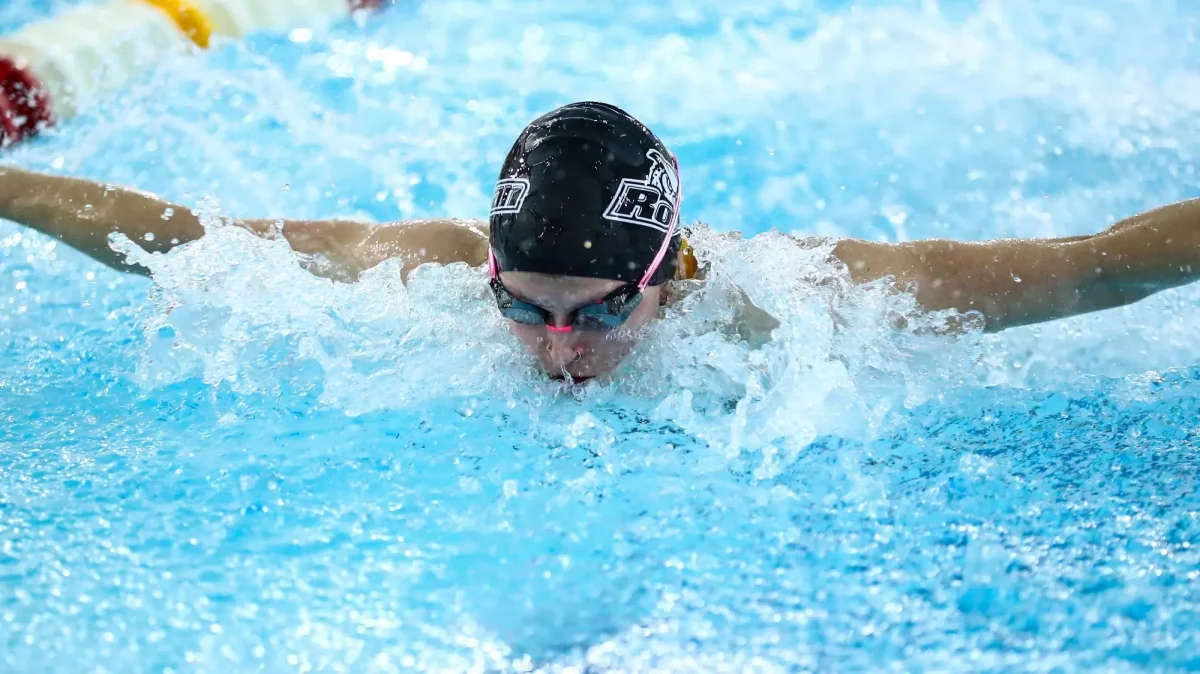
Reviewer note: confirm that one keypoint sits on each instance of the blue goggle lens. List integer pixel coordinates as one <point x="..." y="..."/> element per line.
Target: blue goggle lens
<point x="609" y="313"/>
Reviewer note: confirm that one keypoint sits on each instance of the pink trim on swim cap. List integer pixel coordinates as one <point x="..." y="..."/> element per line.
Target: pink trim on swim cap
<point x="662" y="249"/>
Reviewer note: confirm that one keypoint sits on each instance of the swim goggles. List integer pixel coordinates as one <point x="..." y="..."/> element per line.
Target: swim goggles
<point x="608" y="313"/>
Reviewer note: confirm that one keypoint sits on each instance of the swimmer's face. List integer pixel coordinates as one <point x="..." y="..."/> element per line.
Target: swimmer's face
<point x="579" y="353"/>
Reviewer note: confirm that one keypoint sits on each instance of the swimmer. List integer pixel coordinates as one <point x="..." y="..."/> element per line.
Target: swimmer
<point x="584" y="244"/>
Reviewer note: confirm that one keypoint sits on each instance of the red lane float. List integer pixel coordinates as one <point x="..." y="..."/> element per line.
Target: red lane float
<point x="24" y="103"/>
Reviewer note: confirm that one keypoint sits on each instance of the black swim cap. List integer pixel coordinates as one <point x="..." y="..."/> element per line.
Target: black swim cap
<point x="587" y="191"/>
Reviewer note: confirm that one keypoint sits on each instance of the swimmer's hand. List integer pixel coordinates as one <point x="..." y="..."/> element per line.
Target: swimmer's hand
<point x="83" y="214"/>
<point x="1020" y="281"/>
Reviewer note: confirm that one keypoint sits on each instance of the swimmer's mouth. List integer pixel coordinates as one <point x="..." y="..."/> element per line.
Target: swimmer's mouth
<point x="575" y="379"/>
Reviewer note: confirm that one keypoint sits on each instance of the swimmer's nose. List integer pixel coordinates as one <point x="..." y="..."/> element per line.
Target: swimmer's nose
<point x="563" y="347"/>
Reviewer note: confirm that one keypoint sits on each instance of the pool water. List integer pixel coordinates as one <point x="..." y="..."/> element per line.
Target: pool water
<point x="238" y="466"/>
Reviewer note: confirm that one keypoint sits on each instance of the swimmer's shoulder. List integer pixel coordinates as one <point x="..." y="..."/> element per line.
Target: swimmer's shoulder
<point x="343" y="249"/>
<point x="701" y="244"/>
<point x="417" y="242"/>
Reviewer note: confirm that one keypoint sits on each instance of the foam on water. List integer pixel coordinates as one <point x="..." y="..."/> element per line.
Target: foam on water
<point x="241" y="465"/>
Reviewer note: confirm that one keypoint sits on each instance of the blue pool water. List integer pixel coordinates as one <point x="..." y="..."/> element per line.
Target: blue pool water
<point x="240" y="467"/>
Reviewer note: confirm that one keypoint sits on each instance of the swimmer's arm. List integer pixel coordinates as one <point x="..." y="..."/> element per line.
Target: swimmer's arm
<point x="83" y="214"/>
<point x="1017" y="282"/>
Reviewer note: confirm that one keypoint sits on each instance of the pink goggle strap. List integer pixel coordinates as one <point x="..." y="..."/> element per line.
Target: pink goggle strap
<point x="662" y="250"/>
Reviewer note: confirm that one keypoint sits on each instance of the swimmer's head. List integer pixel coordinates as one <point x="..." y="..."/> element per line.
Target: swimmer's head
<point x="584" y="236"/>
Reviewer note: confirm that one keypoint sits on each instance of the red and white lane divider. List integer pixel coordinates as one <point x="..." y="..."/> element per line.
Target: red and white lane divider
<point x="50" y="70"/>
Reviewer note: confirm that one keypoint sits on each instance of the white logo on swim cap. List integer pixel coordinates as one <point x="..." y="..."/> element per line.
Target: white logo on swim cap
<point x="509" y="196"/>
<point x="649" y="202"/>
